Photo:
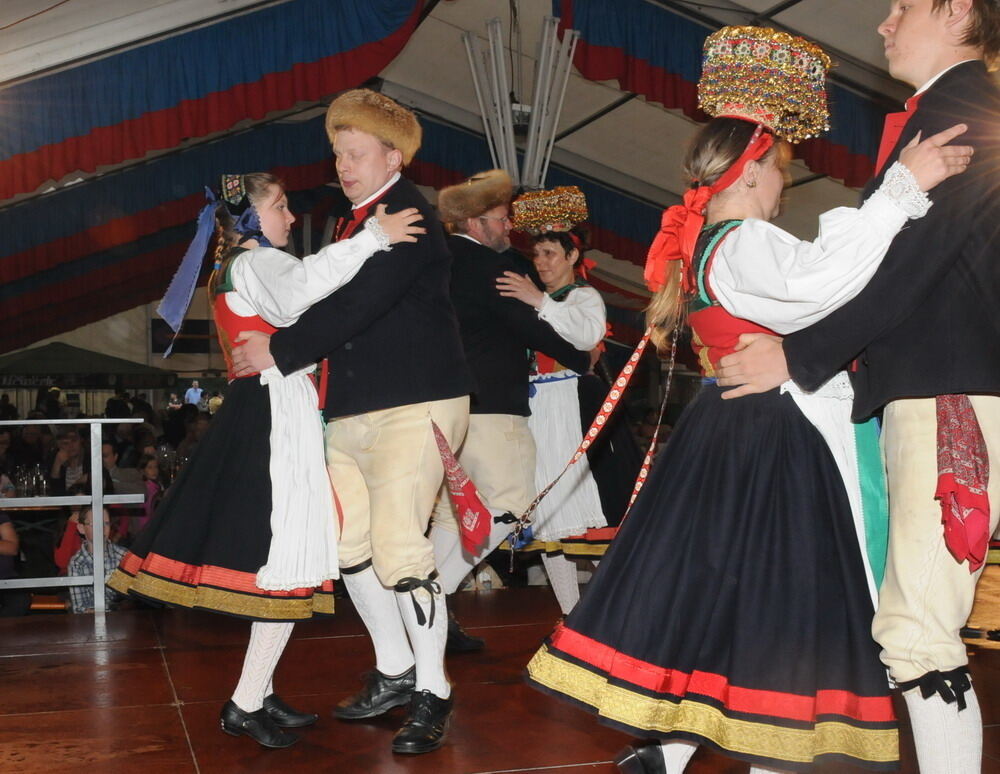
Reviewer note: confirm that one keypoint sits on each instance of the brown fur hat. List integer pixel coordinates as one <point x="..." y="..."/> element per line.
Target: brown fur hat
<point x="374" y="113"/>
<point x="481" y="192"/>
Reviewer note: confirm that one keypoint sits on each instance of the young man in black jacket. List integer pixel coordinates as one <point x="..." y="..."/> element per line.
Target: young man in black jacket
<point x="498" y="335"/>
<point x="396" y="365"/>
<point x="923" y="338"/>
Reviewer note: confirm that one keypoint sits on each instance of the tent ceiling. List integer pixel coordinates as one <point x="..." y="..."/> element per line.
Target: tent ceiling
<point x="83" y="29"/>
<point x="641" y="142"/>
<point x="634" y="147"/>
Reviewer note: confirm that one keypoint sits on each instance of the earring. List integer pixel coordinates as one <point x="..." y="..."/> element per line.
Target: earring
<point x="752" y="184"/>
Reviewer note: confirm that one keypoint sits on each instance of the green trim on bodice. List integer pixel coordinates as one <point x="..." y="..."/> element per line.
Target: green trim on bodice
<point x="226" y="286"/>
<point x="708" y="240"/>
<point x="565" y="290"/>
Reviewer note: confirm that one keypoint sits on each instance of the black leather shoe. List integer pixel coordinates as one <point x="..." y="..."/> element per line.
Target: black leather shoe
<point x="459" y="640"/>
<point x="380" y="694"/>
<point x="425" y="726"/>
<point x="641" y="759"/>
<point x="257" y="725"/>
<point x="286" y="717"/>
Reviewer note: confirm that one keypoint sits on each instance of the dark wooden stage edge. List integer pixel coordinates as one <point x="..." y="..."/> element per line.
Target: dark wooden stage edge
<point x="145" y="695"/>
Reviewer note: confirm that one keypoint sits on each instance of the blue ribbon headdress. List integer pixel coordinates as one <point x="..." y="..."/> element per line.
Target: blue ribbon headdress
<point x="233" y="197"/>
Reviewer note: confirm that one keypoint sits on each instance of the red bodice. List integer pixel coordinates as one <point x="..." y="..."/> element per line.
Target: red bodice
<point x="228" y="325"/>
<point x="714" y="332"/>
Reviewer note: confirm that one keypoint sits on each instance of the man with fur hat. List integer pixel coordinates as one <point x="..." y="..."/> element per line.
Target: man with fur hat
<point x="396" y="368"/>
<point x="497" y="333"/>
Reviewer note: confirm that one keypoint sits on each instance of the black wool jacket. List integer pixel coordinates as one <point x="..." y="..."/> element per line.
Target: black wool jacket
<point x="928" y="322"/>
<point x="390" y="335"/>
<point x="497" y="332"/>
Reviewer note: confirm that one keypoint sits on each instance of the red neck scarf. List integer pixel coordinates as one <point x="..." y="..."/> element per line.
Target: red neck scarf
<point x="893" y="129"/>
<point x="681" y="224"/>
<point x="346" y="226"/>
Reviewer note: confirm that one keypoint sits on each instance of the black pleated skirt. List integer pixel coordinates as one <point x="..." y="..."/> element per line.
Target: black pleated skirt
<point x="212" y="531"/>
<point x="732" y="607"/>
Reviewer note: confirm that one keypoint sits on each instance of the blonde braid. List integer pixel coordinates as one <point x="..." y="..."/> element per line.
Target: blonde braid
<point x="713" y="150"/>
<point x="666" y="311"/>
<point x="225" y="241"/>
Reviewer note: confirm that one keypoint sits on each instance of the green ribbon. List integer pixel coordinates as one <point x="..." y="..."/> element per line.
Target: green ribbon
<point x="874" y="497"/>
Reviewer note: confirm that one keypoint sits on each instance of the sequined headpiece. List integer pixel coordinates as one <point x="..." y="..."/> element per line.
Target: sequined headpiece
<point x="768" y="77"/>
<point x="233" y="195"/>
<point x="233" y="191"/>
<point x="538" y="212"/>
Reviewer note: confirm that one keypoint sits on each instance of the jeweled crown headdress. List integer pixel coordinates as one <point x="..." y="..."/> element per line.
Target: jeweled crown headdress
<point x="539" y="212"/>
<point x="760" y="75"/>
<point x="768" y="77"/>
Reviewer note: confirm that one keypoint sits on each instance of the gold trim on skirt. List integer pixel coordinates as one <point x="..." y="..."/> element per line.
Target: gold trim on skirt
<point x="646" y="713"/>
<point x="221" y="600"/>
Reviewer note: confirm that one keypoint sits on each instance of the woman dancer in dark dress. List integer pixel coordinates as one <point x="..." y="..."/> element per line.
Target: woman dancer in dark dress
<point x="734" y="607"/>
<point x="249" y="527"/>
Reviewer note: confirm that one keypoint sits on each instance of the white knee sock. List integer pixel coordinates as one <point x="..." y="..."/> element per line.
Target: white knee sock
<point x="428" y="636"/>
<point x="449" y="559"/>
<point x="452" y="563"/>
<point x="376" y="605"/>
<point x="562" y="578"/>
<point x="676" y="755"/>
<point x="267" y="643"/>
<point x="948" y="741"/>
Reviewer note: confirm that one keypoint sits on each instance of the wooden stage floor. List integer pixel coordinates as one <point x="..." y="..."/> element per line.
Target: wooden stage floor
<point x="145" y="698"/>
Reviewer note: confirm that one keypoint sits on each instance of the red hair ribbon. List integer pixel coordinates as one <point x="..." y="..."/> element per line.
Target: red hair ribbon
<point x="584" y="267"/>
<point x="681" y="224"/>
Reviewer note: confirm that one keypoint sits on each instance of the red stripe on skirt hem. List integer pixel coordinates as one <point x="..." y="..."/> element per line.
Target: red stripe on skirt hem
<point x="870" y="709"/>
<point x="208" y="575"/>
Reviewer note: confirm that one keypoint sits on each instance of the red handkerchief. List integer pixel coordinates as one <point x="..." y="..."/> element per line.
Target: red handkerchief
<point x="963" y="478"/>
<point x="473" y="517"/>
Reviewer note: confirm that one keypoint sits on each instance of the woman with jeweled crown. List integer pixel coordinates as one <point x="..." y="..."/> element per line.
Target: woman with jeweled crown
<point x="733" y="610"/>
<point x="577" y="519"/>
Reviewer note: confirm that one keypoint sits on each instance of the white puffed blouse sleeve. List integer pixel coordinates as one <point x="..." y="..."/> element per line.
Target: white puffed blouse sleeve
<point x="280" y="287"/>
<point x="580" y="318"/>
<point x="764" y="274"/>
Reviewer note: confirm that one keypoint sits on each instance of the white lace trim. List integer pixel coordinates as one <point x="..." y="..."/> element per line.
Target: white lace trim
<point x="838" y="387"/>
<point x="376" y="230"/>
<point x="900" y="186"/>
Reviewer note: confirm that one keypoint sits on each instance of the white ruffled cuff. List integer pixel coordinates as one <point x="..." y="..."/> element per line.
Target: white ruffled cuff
<point x="375" y="229"/>
<point x="900" y="186"/>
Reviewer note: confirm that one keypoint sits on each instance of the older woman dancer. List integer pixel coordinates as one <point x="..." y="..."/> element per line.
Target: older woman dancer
<point x="579" y="516"/>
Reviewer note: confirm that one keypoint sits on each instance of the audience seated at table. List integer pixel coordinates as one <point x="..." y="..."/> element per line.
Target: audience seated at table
<point x="124" y="479"/>
<point x="82" y="563"/>
<point x="30" y="446"/>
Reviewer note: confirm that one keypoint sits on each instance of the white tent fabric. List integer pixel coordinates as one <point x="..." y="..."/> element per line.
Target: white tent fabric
<point x="632" y="145"/>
